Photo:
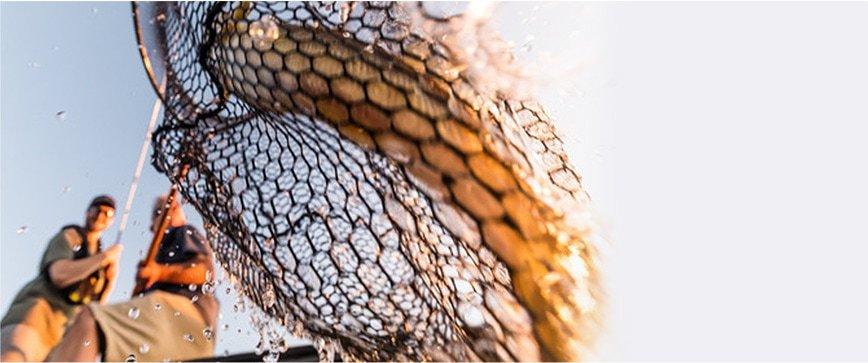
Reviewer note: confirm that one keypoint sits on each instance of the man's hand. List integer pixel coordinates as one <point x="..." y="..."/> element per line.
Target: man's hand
<point x="149" y="274"/>
<point x="111" y="255"/>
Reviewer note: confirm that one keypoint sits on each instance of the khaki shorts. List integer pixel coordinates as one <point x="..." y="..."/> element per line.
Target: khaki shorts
<point x="39" y="330"/>
<point x="168" y="326"/>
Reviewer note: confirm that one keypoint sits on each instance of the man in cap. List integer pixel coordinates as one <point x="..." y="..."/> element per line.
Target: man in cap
<point x="172" y="318"/>
<point x="73" y="271"/>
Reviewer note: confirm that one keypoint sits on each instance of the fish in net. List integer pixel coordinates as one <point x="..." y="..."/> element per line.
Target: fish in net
<point x="368" y="183"/>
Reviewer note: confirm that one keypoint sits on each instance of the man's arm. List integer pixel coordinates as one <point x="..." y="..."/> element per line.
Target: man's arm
<point x="66" y="272"/>
<point x="194" y="273"/>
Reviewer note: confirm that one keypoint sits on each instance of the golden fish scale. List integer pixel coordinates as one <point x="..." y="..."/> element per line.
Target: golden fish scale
<point x="433" y="129"/>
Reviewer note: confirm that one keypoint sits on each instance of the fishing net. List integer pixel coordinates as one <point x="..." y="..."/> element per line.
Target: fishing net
<point x="369" y="183"/>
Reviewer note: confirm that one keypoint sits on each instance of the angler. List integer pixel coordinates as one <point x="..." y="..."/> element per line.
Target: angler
<point x="74" y="271"/>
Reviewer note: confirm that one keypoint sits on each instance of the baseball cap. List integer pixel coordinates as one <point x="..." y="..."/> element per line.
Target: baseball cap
<point x="101" y="200"/>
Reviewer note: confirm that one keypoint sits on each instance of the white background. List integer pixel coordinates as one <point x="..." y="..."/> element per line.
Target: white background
<point x="741" y="181"/>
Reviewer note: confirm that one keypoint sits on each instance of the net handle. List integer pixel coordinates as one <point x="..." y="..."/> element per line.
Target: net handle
<point x="157" y="240"/>
<point x="134" y="184"/>
<point x="143" y="52"/>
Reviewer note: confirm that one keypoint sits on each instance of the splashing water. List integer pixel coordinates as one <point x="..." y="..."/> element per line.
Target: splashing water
<point x="414" y="205"/>
<point x="21" y="230"/>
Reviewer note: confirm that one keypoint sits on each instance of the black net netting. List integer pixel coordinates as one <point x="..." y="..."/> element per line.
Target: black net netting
<point x="366" y="184"/>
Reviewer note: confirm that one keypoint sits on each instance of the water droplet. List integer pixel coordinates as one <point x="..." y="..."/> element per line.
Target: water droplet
<point x="157" y="307"/>
<point x="177" y="314"/>
<point x="188" y="337"/>
<point x="66" y="189"/>
<point x="76" y="248"/>
<point x="192" y="287"/>
<point x="94" y="10"/>
<point x="133" y="313"/>
<point x="60" y="115"/>
<point x="21" y="230"/>
<point x="271" y="357"/>
<point x="144" y="348"/>
<point x="208" y="288"/>
<point x="86" y="343"/>
<point x="225" y="326"/>
<point x="189" y="232"/>
<point x="264" y="30"/>
<point x="471" y="315"/>
<point x="130" y="358"/>
<point x="208" y="333"/>
<point x="194" y="299"/>
<point x="34" y="65"/>
<point x="171" y="253"/>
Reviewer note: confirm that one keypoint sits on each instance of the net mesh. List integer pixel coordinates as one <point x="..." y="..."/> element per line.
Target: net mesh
<point x="361" y="180"/>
